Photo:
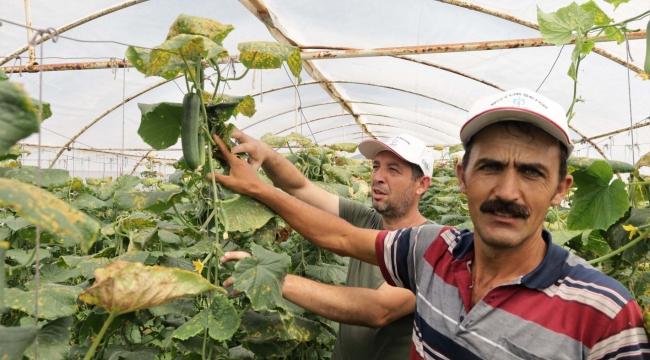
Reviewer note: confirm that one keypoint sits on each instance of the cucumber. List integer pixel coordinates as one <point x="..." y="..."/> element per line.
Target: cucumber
<point x="582" y="163"/>
<point x="646" y="66"/>
<point x="190" y="130"/>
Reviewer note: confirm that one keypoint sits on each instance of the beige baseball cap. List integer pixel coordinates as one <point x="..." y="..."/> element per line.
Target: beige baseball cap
<point x="405" y="146"/>
<point x="522" y="105"/>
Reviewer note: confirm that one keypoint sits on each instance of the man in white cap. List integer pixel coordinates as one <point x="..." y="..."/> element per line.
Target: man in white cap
<point x="504" y="291"/>
<point x="376" y="319"/>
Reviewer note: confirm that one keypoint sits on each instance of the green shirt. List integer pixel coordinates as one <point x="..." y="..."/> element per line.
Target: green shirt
<point x="393" y="341"/>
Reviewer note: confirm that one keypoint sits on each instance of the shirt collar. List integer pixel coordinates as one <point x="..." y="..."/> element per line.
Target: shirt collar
<point x="544" y="275"/>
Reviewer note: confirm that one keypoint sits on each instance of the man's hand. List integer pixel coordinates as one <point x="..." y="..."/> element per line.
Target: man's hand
<point x="232" y="256"/>
<point x="257" y="151"/>
<point x="242" y="179"/>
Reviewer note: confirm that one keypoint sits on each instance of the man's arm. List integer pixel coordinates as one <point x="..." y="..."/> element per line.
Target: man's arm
<point x="348" y="305"/>
<point x="321" y="228"/>
<point x="284" y="174"/>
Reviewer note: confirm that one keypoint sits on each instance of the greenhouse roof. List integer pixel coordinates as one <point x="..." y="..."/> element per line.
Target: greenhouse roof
<point x="416" y="75"/>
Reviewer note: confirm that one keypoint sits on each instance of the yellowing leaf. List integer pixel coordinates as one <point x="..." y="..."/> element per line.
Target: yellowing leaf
<point x="54" y="215"/>
<point x="643" y="76"/>
<point x="123" y="287"/>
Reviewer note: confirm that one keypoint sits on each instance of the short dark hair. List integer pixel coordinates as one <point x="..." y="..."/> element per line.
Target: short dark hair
<point x="416" y="171"/>
<point x="525" y="128"/>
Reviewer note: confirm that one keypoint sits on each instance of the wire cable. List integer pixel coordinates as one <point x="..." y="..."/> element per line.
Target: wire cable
<point x="299" y="101"/>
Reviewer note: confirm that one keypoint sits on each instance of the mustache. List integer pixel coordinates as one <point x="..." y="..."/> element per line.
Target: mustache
<point x="509" y="207"/>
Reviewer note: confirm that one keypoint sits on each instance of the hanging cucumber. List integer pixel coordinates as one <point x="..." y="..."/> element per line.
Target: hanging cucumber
<point x="190" y="131"/>
<point x="646" y="66"/>
<point x="4" y="245"/>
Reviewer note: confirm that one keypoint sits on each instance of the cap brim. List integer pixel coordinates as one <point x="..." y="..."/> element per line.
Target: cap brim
<point x="370" y="148"/>
<point x="492" y="116"/>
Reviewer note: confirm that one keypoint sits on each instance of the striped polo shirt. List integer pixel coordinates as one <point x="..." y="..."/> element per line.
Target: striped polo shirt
<point x="564" y="309"/>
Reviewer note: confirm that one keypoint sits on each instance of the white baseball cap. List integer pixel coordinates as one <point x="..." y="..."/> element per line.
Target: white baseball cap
<point x="407" y="147"/>
<point x="522" y="105"/>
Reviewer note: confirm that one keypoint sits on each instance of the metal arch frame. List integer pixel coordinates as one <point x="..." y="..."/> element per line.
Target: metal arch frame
<point x="532" y="25"/>
<point x="332" y="103"/>
<point x="387" y="134"/>
<point x="72" y="25"/>
<point x="366" y="114"/>
<point x="304" y="107"/>
<point x="75" y="137"/>
<point x="271" y="21"/>
<point x="367" y="123"/>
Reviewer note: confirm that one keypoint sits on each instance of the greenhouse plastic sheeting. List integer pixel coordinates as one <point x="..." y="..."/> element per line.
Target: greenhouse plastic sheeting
<point x="388" y="95"/>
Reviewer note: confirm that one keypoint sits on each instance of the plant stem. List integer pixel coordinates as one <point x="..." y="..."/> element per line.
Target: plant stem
<point x="575" y="93"/>
<point x="182" y="219"/>
<point x="99" y="337"/>
<point x="637" y="17"/>
<point x="621" y="249"/>
<point x="238" y="77"/>
<point x="216" y="87"/>
<point x="639" y="183"/>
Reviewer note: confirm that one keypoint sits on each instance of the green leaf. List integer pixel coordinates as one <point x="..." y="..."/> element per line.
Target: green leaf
<point x="54" y="301"/>
<point x="70" y="261"/>
<point x="46" y="210"/>
<point x="135" y="352"/>
<point x="616" y="34"/>
<point x="21" y="256"/>
<point x="270" y="55"/>
<point x="347" y="147"/>
<point x="168" y="237"/>
<point x="18" y="117"/>
<point x="261" y="278"/>
<point x="166" y="59"/>
<point x="597" y="204"/>
<point x="47" y="110"/>
<point x="246" y="214"/>
<point x="558" y="27"/>
<point x="15" y="340"/>
<point x="327" y="273"/>
<point x="264" y="236"/>
<point x="180" y="307"/>
<point x="582" y="163"/>
<point x="160" y="124"/>
<point x="194" y="25"/>
<point x="226" y="106"/>
<point x="3" y="77"/>
<point x="562" y="236"/>
<point x="53" y="274"/>
<point x="53" y="340"/>
<point x="139" y="57"/>
<point x="220" y="318"/>
<point x="617" y="236"/>
<point x="268" y="326"/>
<point x="154" y="201"/>
<point x="283" y="141"/>
<point x="124" y="287"/>
<point x="616" y="3"/>
<point x="600" y="18"/>
<point x="88" y="202"/>
<point x="50" y="178"/>
<point x="87" y="267"/>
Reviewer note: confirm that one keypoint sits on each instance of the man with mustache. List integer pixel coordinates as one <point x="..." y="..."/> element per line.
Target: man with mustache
<point x="504" y="291"/>
<point x="375" y="319"/>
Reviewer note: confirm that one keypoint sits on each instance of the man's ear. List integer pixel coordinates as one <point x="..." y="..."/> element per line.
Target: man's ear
<point x="423" y="185"/>
<point x="561" y="190"/>
<point x="460" y="173"/>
